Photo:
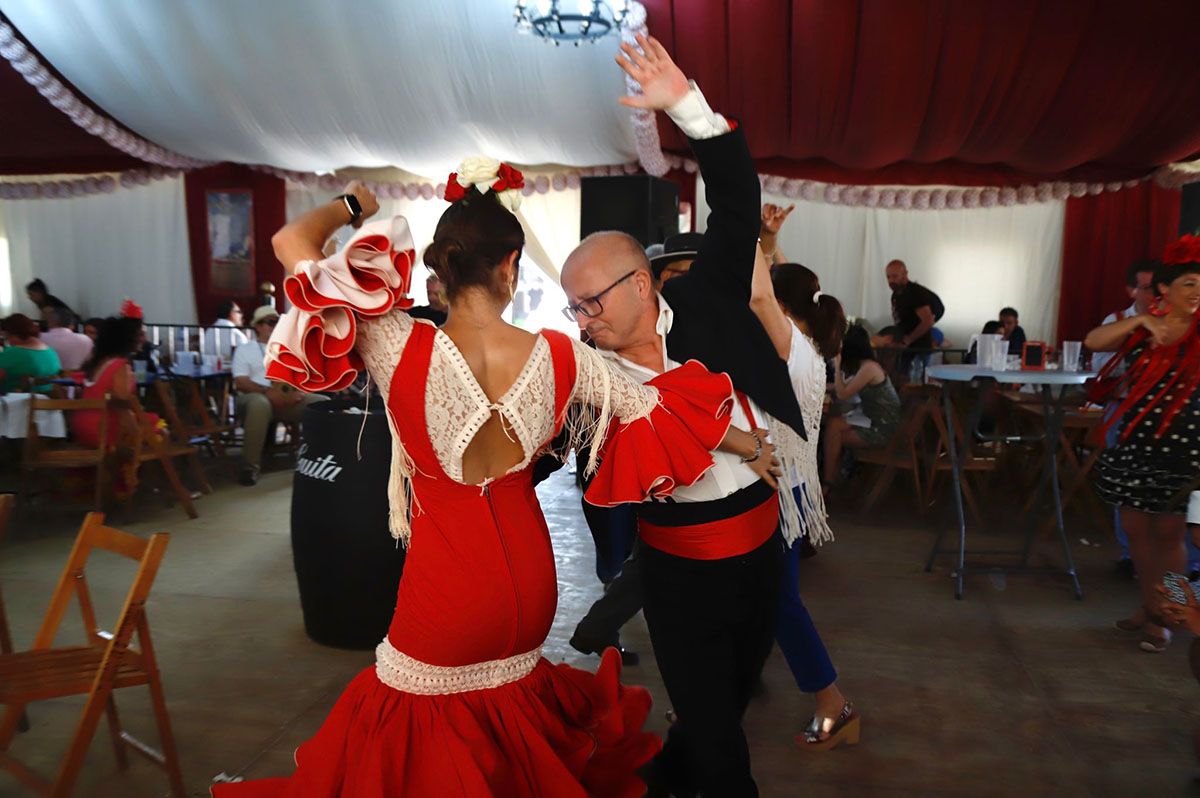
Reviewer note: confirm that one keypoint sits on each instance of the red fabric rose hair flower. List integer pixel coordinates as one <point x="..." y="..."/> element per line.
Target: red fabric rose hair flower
<point x="508" y="178"/>
<point x="131" y="309"/>
<point x="454" y="189"/>
<point x="1185" y="250"/>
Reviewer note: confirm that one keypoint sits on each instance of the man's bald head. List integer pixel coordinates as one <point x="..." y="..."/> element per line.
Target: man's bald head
<point x="609" y="253"/>
<point x="897" y="274"/>
<point x="601" y="267"/>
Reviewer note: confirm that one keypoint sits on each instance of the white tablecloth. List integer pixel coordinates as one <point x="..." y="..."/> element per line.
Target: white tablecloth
<point x="14" y="418"/>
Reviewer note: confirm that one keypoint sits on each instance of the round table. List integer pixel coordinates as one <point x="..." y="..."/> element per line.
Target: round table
<point x="1053" y="415"/>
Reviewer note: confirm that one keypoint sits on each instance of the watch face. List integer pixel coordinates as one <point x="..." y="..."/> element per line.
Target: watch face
<point x="353" y="204"/>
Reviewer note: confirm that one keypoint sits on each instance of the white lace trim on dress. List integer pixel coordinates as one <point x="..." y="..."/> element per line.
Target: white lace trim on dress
<point x="401" y="672"/>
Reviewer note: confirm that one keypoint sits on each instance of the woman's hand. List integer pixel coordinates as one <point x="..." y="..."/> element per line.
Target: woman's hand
<point x="366" y="200"/>
<point x="1156" y="326"/>
<point x="766" y="465"/>
<point x="773" y="217"/>
<point x="663" y="83"/>
<point x="1180" y="614"/>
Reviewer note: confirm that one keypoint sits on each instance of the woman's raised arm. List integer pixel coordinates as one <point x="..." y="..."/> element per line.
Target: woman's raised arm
<point x="304" y="237"/>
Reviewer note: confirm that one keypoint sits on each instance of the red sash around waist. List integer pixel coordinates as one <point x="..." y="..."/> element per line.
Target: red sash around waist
<point x="715" y="540"/>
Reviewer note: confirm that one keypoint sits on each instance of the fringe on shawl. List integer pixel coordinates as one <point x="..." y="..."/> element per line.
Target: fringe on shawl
<point x="801" y="503"/>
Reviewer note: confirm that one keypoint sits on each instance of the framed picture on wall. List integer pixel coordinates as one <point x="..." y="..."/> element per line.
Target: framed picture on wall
<point x="231" y="241"/>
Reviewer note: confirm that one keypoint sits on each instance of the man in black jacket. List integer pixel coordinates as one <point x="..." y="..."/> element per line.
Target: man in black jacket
<point x="711" y="557"/>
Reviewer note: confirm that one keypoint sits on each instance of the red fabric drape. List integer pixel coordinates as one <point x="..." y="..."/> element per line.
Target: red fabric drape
<point x="1102" y="236"/>
<point x="269" y="215"/>
<point x="37" y="138"/>
<point x="1080" y="89"/>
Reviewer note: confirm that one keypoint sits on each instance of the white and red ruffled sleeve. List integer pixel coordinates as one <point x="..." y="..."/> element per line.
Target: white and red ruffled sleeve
<point x="672" y="445"/>
<point x="312" y="347"/>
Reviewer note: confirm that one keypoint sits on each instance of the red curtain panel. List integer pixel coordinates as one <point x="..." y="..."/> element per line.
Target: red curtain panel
<point x="269" y="211"/>
<point x="1102" y="236"/>
<point x="1070" y="89"/>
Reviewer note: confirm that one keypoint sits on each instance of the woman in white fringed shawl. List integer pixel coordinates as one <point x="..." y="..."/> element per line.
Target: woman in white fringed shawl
<point x="806" y="327"/>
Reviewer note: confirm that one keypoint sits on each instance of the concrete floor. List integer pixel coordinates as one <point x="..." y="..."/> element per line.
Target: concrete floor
<point x="1018" y="690"/>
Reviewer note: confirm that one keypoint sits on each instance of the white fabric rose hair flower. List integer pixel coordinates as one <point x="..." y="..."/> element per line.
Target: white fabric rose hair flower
<point x="486" y="174"/>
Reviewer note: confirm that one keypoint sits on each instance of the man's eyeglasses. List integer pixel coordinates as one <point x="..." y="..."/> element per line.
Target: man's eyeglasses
<point x="591" y="306"/>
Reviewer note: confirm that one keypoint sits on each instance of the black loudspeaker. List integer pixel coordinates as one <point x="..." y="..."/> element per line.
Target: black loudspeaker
<point x="645" y="207"/>
<point x="1189" y="210"/>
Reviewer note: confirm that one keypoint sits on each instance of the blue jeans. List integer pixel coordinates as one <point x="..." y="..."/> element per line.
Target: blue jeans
<point x="797" y="636"/>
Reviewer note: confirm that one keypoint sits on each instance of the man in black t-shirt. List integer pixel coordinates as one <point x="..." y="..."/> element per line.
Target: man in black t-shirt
<point x="915" y="309"/>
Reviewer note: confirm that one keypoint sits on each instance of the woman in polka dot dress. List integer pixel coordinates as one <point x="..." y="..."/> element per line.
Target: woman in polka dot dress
<point x="1158" y="457"/>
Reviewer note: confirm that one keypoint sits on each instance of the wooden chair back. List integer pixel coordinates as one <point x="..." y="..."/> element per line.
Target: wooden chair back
<point x="107" y="662"/>
<point x="903" y="451"/>
<point x="38" y="454"/>
<point x="95" y="535"/>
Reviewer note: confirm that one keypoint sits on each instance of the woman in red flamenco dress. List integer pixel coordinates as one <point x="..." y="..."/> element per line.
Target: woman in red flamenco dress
<point x="1157" y="459"/>
<point x="460" y="701"/>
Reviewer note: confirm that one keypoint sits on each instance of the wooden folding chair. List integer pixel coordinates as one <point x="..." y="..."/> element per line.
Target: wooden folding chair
<point x="152" y="448"/>
<point x="40" y="455"/>
<point x="107" y="663"/>
<point x="903" y="451"/>
<point x="189" y="420"/>
<point x="972" y="463"/>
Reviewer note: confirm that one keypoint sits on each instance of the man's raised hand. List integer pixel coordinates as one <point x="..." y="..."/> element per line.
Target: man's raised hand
<point x="663" y="83"/>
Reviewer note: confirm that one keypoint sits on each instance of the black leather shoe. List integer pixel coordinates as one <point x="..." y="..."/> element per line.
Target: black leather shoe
<point x="585" y="646"/>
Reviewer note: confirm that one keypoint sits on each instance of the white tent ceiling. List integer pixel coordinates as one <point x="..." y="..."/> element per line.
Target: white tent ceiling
<point x="312" y="85"/>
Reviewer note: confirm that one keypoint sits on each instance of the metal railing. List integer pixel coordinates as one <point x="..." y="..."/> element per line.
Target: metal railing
<point x="171" y="339"/>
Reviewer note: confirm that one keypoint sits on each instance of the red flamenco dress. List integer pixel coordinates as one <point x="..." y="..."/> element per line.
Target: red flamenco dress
<point x="460" y="701"/>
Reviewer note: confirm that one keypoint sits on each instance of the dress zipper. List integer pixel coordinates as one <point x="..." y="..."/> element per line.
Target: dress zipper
<point x="512" y="577"/>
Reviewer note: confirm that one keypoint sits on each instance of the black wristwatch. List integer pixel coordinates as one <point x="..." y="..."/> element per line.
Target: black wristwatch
<point x="352" y="205"/>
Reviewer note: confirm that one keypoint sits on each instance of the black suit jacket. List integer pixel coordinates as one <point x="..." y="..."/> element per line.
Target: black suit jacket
<point x="713" y="322"/>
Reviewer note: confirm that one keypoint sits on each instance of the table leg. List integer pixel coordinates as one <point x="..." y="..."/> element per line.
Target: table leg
<point x="1054" y="420"/>
<point x="956" y="468"/>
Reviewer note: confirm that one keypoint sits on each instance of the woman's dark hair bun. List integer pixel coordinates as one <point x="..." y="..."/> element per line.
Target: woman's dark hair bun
<point x="472" y="238"/>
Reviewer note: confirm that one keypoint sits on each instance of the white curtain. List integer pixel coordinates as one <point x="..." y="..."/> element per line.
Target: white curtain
<point x="313" y="85"/>
<point x="95" y="251"/>
<point x="977" y="260"/>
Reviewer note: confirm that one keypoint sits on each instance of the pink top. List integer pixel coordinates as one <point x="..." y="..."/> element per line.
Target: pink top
<point x="73" y="348"/>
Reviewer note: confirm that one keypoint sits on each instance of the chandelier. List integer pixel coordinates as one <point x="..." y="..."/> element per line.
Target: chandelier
<point x="592" y="20"/>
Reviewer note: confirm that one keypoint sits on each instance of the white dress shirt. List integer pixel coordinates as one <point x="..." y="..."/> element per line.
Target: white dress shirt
<point x="223" y="338"/>
<point x="728" y="474"/>
<point x="248" y="361"/>
<point x="1100" y="359"/>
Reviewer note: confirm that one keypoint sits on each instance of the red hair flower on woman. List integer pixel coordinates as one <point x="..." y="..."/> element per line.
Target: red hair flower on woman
<point x="486" y="174"/>
<point x="454" y="190"/>
<point x="508" y="178"/>
<point x="131" y="309"/>
<point x="1185" y="250"/>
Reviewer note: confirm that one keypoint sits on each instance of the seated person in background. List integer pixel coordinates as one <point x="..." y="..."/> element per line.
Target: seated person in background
<point x="436" y="307"/>
<point x="40" y="296"/>
<point x="110" y="374"/>
<point x="91" y="327"/>
<point x="73" y="348"/>
<point x="260" y="401"/>
<point x="225" y="335"/>
<point x="1012" y="331"/>
<point x="25" y="355"/>
<point x="858" y="373"/>
<point x="990" y="328"/>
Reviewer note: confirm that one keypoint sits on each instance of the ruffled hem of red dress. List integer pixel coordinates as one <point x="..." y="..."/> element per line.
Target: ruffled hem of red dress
<point x="672" y="447"/>
<point x="559" y="731"/>
<point x="312" y="347"/>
